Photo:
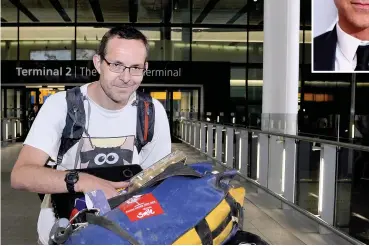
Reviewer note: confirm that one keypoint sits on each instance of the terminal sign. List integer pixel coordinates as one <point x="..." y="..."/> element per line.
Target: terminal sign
<point x="61" y="71"/>
<point x="84" y="71"/>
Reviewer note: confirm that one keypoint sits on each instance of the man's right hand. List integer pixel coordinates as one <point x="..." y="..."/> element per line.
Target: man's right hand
<point x="87" y="183"/>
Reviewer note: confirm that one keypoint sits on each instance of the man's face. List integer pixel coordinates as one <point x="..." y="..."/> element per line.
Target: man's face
<point x="119" y="86"/>
<point x="355" y="12"/>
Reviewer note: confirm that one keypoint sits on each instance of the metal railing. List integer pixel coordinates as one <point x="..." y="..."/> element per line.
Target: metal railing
<point x="313" y="176"/>
<point x="11" y="130"/>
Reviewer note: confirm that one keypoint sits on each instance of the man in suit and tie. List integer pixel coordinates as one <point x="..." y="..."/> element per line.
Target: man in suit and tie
<point x="346" y="47"/>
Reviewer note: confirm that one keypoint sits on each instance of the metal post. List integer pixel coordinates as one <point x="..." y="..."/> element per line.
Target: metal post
<point x="229" y="147"/>
<point x="197" y="135"/>
<point x="191" y="133"/>
<point x="182" y="130"/>
<point x="210" y="151"/>
<point x="352" y="107"/>
<point x="4" y="130"/>
<point x="19" y="128"/>
<point x="194" y="133"/>
<point x="186" y="131"/>
<point x="352" y="122"/>
<point x="202" y="137"/>
<point x="263" y="160"/>
<point x="218" y="142"/>
<point x="275" y="167"/>
<point x="327" y="184"/>
<point x="10" y="130"/>
<point x="289" y="170"/>
<point x="244" y="152"/>
<point x="13" y="123"/>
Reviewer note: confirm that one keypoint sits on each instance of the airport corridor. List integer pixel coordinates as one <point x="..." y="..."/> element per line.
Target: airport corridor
<point x="263" y="213"/>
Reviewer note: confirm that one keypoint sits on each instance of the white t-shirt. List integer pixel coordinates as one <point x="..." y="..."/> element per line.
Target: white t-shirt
<point x="110" y="141"/>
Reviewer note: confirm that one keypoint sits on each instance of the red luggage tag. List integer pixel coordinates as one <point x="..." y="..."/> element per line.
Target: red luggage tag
<point x="141" y="207"/>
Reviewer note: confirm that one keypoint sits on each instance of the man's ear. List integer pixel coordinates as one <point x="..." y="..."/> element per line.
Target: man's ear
<point x="146" y="65"/>
<point x="97" y="62"/>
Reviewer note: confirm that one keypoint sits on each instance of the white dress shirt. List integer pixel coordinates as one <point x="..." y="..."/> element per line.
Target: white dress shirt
<point x="346" y="51"/>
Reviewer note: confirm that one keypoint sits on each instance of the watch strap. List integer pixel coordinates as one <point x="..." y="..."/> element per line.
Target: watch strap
<point x="70" y="179"/>
<point x="70" y="188"/>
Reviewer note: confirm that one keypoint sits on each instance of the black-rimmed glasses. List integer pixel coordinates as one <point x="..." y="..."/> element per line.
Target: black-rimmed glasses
<point x="119" y="68"/>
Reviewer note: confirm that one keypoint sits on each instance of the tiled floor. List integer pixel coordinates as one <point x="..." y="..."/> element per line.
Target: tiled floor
<point x="19" y="209"/>
<point x="263" y="215"/>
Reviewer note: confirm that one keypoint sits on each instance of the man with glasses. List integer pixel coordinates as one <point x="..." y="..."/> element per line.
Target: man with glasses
<point x="109" y="135"/>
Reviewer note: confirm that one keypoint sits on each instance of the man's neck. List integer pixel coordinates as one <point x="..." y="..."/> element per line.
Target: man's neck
<point x="359" y="33"/>
<point x="97" y="94"/>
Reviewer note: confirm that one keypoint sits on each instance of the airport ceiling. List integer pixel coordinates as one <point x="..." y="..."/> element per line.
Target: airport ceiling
<point x="231" y="12"/>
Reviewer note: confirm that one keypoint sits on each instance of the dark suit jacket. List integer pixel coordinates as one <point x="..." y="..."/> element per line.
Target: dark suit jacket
<point x="325" y="51"/>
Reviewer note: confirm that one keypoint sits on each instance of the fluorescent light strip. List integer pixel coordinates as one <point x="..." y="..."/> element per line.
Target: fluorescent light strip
<point x="6" y="131"/>
<point x="240" y="155"/>
<point x="207" y="144"/>
<point x="226" y="148"/>
<point x="353" y="131"/>
<point x="360" y="217"/>
<point x="321" y="183"/>
<point x="283" y="168"/>
<point x="258" y="162"/>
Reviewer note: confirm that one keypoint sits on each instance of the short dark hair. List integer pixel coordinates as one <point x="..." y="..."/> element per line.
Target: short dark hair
<point x="125" y="32"/>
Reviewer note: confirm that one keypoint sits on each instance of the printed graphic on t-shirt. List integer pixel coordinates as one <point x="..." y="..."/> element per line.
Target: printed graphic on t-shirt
<point x="104" y="152"/>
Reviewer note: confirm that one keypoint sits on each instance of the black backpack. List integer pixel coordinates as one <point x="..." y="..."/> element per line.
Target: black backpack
<point x="76" y="119"/>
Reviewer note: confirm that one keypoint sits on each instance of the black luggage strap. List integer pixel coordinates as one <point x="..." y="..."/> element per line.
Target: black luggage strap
<point x="236" y="209"/>
<point x="110" y="225"/>
<point x="74" y="122"/>
<point x="204" y="232"/>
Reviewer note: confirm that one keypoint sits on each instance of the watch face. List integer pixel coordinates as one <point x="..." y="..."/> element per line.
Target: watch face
<point x="72" y="177"/>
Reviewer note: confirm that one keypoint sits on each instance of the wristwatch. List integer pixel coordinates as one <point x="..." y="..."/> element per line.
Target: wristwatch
<point x="70" y="179"/>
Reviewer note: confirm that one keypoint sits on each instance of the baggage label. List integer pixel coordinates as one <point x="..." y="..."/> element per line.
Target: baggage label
<point x="141" y="207"/>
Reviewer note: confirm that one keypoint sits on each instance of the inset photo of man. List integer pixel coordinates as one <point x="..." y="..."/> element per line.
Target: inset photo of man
<point x="341" y="36"/>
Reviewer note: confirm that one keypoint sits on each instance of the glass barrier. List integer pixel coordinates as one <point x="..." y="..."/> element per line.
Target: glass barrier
<point x="12" y="129"/>
<point x="326" y="127"/>
<point x="325" y="181"/>
<point x="307" y="176"/>
<point x="352" y="193"/>
<point x="254" y="152"/>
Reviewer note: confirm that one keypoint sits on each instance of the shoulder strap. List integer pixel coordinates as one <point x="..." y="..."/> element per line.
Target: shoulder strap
<point x="145" y="120"/>
<point x="74" y="122"/>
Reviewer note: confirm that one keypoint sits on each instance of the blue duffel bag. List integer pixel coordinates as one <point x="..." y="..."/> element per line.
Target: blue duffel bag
<point x="186" y="204"/>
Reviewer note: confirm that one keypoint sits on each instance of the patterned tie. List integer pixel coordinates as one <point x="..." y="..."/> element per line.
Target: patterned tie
<point x="362" y="54"/>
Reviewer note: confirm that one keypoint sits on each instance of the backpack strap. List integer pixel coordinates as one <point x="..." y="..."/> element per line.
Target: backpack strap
<point x="145" y="120"/>
<point x="74" y="122"/>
